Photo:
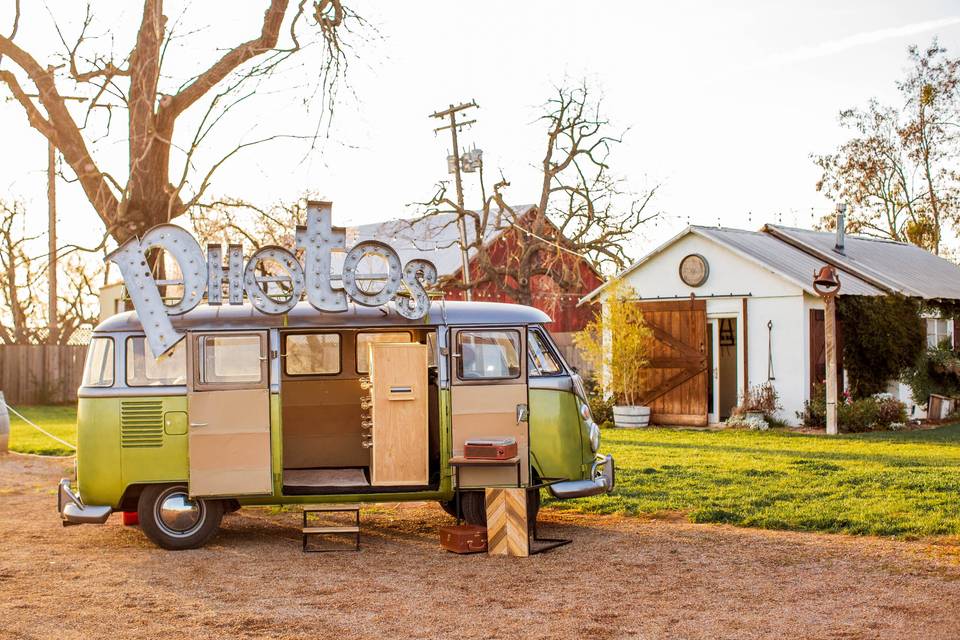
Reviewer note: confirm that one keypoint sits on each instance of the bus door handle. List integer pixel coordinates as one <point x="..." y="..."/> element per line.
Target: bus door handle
<point x="523" y="413"/>
<point x="197" y="425"/>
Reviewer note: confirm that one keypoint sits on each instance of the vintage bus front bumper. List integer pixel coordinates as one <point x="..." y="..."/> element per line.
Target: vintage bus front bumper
<point x="603" y="478"/>
<point x="73" y="511"/>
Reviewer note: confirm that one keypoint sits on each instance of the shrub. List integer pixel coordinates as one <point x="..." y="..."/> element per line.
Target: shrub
<point x="889" y="409"/>
<point x="882" y="337"/>
<point x="620" y="323"/>
<point x="936" y="370"/>
<point x="762" y="398"/>
<point x="879" y="411"/>
<point x="858" y="415"/>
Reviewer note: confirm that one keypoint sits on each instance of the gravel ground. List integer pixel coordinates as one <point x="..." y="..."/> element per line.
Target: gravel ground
<point x="621" y="578"/>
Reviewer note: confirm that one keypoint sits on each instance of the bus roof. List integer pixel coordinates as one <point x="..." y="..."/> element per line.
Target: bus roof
<point x="304" y="316"/>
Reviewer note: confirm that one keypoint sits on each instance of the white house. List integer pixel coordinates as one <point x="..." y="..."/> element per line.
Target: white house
<point x="733" y="308"/>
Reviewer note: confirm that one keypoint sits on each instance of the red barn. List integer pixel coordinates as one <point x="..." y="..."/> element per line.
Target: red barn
<point x="437" y="239"/>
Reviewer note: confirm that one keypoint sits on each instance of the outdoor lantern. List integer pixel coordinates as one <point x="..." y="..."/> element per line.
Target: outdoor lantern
<point x="826" y="282"/>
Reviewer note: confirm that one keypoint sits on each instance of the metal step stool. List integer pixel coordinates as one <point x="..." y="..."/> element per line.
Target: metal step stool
<point x="331" y="529"/>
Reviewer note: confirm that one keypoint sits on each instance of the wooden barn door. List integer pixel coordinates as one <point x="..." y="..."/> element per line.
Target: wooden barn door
<point x="676" y="387"/>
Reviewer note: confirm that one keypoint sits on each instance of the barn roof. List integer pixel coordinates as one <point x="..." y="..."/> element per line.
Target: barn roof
<point x="897" y="267"/>
<point x="436" y="238"/>
<point x="868" y="266"/>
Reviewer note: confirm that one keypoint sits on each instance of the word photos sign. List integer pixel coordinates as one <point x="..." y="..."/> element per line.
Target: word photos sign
<point x="404" y="285"/>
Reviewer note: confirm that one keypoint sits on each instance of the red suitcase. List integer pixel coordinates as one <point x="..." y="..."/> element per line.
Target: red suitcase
<point x="490" y="448"/>
<point x="465" y="538"/>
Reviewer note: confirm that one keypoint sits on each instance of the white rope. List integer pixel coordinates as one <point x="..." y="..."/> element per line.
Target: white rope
<point x="46" y="433"/>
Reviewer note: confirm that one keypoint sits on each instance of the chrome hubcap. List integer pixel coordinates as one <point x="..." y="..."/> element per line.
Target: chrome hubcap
<point x="177" y="514"/>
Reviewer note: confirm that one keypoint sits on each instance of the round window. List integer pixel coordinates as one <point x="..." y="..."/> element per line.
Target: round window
<point x="694" y="270"/>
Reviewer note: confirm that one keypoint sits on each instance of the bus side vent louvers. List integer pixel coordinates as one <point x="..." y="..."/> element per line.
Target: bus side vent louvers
<point x="141" y="423"/>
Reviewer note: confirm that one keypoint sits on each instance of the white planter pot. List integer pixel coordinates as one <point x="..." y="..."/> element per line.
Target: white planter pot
<point x="631" y="417"/>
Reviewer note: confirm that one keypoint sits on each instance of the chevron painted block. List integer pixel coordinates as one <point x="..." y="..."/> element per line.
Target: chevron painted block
<point x="507" y="531"/>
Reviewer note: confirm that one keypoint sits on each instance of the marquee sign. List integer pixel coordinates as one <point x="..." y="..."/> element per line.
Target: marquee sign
<point x="404" y="285"/>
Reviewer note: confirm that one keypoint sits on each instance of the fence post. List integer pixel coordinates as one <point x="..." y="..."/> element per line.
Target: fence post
<point x="4" y="425"/>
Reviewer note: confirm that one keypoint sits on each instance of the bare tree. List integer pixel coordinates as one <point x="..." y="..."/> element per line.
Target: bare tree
<point x="899" y="170"/>
<point x="152" y="191"/>
<point x="23" y="285"/>
<point x="21" y="277"/>
<point x="583" y="213"/>
<point x="231" y="220"/>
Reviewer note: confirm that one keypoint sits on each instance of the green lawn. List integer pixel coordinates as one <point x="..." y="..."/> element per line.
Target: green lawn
<point x="61" y="421"/>
<point x="897" y="484"/>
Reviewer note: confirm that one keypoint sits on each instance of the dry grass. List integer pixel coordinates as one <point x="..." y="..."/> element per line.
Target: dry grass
<point x="622" y="577"/>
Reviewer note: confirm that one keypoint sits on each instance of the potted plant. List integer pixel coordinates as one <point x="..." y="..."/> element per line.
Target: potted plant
<point x="616" y="343"/>
<point x="759" y="404"/>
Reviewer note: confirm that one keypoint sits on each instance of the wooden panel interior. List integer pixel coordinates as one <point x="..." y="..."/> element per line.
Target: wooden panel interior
<point x="321" y="424"/>
<point x="398" y="374"/>
<point x="675" y="388"/>
<point x="321" y="414"/>
<point x="486" y="411"/>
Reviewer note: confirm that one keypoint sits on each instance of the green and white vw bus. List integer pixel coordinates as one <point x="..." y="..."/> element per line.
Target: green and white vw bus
<point x="254" y="409"/>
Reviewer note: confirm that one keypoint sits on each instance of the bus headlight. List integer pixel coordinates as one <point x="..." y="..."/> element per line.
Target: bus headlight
<point x="594" y="437"/>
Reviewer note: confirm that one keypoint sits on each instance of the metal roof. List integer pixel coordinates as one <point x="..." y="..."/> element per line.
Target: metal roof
<point x="868" y="266"/>
<point x="897" y="267"/>
<point x="783" y="259"/>
<point x="435" y="238"/>
<point x="305" y="316"/>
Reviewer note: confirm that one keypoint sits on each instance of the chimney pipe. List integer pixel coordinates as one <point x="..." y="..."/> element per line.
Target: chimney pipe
<point x="841" y="228"/>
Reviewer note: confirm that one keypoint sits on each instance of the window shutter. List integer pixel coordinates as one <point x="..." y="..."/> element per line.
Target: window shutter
<point x="956" y="333"/>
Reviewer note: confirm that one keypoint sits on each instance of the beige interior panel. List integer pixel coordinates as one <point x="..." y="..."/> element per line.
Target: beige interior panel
<point x="485" y="411"/>
<point x="398" y="374"/>
<point x="321" y="424"/>
<point x="229" y="442"/>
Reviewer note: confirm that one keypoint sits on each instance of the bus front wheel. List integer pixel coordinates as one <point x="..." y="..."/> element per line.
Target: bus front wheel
<point x="173" y="520"/>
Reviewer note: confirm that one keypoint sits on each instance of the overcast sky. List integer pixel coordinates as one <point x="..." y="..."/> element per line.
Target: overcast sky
<point x="724" y="104"/>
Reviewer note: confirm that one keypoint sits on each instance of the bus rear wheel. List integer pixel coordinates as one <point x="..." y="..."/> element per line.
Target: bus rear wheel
<point x="173" y="520"/>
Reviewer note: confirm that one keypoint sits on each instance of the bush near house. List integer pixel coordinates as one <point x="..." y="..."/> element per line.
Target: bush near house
<point x="882" y="337"/>
<point x="761" y="399"/>
<point x="937" y="370"/>
<point x="877" y="412"/>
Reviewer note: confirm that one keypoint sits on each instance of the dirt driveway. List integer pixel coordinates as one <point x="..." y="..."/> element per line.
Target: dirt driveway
<point x="619" y="579"/>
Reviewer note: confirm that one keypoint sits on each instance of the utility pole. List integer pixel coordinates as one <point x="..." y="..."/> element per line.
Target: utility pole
<point x="454" y="126"/>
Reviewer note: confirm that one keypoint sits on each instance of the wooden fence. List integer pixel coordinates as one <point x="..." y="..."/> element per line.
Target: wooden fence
<point x="40" y="373"/>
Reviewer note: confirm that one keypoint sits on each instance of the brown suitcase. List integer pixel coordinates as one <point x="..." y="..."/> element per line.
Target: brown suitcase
<point x="465" y="538"/>
<point x="490" y="448"/>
